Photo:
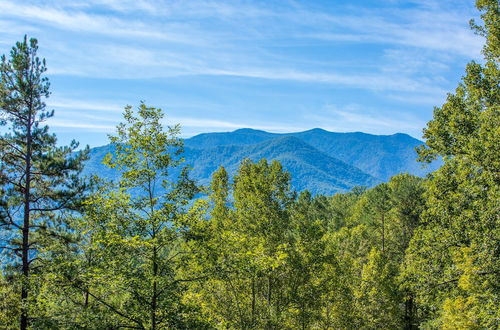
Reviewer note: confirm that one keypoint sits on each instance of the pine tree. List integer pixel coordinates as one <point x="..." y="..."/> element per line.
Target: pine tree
<point x="39" y="179"/>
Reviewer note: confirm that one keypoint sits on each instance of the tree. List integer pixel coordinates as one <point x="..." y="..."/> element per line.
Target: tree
<point x="214" y="256"/>
<point x="242" y="249"/>
<point x="453" y="260"/>
<point x="367" y="253"/>
<point x="408" y="204"/>
<point x="407" y="201"/>
<point x="40" y="180"/>
<point x="134" y="227"/>
<point x="379" y="204"/>
<point x="307" y="265"/>
<point x="377" y="295"/>
<point x="262" y="199"/>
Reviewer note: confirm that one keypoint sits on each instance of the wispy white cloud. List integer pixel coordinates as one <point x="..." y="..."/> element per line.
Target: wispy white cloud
<point x="119" y="5"/>
<point x="187" y="123"/>
<point x="423" y="29"/>
<point x="139" y="63"/>
<point x="428" y="100"/>
<point x="80" y="21"/>
<point x="11" y="29"/>
<point x="73" y="114"/>
<point x="367" y="81"/>
<point x="83" y="105"/>
<point x="58" y="123"/>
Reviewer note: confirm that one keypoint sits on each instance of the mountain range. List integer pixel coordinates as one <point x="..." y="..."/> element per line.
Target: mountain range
<point x="320" y="161"/>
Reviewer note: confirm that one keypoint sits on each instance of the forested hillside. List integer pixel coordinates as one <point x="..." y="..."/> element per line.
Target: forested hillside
<point x="311" y="169"/>
<point x="154" y="249"/>
<point x="319" y="161"/>
<point x="380" y="156"/>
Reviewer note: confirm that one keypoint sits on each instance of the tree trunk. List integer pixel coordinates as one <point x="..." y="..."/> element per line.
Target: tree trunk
<point x="409" y="314"/>
<point x="153" y="301"/>
<point x="269" y="306"/>
<point x="87" y="288"/>
<point x="26" y="232"/>
<point x="253" y="301"/>
<point x="86" y="302"/>
<point x="383" y="233"/>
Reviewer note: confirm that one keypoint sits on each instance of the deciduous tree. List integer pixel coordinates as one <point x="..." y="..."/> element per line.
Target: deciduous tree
<point x="453" y="261"/>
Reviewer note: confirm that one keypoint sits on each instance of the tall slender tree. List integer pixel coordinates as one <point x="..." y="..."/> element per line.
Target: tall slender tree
<point x="129" y="271"/>
<point x="379" y="204"/>
<point x="39" y="179"/>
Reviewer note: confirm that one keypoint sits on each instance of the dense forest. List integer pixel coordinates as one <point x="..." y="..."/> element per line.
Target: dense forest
<point x="246" y="252"/>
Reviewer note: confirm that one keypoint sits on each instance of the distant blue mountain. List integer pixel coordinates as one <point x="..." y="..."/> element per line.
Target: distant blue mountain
<point x="320" y="161"/>
<point x="310" y="168"/>
<point x="381" y="156"/>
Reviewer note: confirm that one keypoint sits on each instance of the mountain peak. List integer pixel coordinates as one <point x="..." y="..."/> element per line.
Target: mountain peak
<point x="248" y="130"/>
<point x="317" y="130"/>
<point x="403" y="136"/>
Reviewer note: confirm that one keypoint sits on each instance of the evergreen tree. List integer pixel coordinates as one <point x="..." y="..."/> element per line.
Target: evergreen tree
<point x="39" y="179"/>
<point x="378" y="205"/>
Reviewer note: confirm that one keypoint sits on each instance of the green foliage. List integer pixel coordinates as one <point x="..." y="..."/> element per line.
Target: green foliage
<point x="378" y="292"/>
<point x="40" y="181"/>
<point x="243" y="248"/>
<point x="9" y="303"/>
<point x="124" y="270"/>
<point x="270" y="260"/>
<point x="453" y="261"/>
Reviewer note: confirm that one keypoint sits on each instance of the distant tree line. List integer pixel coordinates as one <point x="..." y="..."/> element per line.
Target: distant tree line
<point x="247" y="252"/>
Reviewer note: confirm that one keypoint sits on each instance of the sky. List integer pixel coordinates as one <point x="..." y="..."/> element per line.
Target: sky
<point x="376" y="66"/>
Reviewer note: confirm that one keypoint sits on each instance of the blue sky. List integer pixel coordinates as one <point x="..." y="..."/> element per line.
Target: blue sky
<point x="281" y="66"/>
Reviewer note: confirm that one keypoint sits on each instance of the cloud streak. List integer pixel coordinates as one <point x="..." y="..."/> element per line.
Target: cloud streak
<point x="83" y="105"/>
<point x="81" y="22"/>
